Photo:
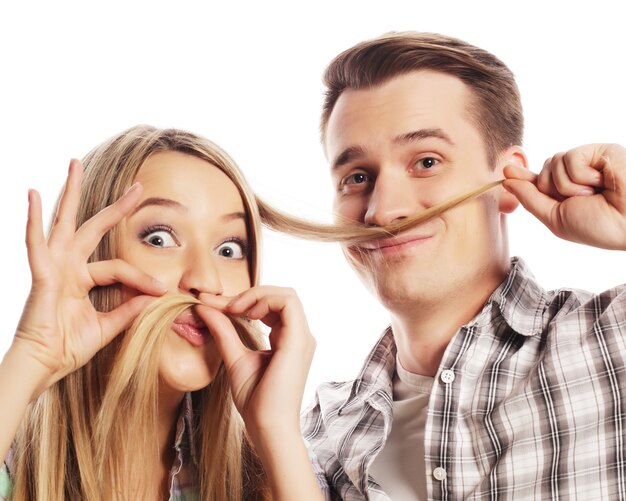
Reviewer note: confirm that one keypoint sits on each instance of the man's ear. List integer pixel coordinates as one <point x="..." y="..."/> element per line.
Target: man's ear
<point x="513" y="155"/>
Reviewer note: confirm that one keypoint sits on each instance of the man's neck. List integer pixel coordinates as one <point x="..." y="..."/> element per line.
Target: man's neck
<point x="422" y="331"/>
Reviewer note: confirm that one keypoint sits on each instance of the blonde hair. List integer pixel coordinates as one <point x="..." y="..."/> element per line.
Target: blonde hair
<point x="353" y="233"/>
<point x="76" y="438"/>
<point x="133" y="385"/>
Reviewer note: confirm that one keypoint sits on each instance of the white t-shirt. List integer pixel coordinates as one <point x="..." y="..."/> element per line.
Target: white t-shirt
<point x="399" y="467"/>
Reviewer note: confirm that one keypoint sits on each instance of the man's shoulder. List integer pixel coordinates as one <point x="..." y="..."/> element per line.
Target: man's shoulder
<point x="330" y="397"/>
<point x="531" y="310"/>
<point x="565" y="303"/>
<point x="375" y="376"/>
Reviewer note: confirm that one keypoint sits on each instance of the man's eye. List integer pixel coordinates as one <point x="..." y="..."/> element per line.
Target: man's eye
<point x="232" y="250"/>
<point x="358" y="178"/>
<point x="159" y="238"/>
<point x="426" y="163"/>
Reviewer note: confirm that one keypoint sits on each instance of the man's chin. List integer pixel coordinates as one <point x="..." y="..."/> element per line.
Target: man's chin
<point x="398" y="290"/>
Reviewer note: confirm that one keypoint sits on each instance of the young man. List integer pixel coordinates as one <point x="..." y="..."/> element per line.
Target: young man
<point x="485" y="385"/>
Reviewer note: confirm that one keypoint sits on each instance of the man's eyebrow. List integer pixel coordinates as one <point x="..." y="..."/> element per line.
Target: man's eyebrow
<point x="416" y="135"/>
<point x="348" y="155"/>
<point x="355" y="152"/>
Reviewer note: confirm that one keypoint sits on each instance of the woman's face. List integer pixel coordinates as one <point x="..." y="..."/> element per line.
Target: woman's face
<point x="189" y="232"/>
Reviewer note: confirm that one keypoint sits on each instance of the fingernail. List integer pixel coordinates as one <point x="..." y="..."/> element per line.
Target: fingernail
<point x="585" y="192"/>
<point x="159" y="285"/>
<point x="134" y="187"/>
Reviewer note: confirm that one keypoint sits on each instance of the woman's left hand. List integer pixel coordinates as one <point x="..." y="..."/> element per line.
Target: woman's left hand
<point x="267" y="386"/>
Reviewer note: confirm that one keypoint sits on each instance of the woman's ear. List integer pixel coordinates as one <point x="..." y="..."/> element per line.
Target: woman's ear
<point x="513" y="155"/>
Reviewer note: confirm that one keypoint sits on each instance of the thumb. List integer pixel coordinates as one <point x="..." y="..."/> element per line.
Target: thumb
<point x="538" y="204"/>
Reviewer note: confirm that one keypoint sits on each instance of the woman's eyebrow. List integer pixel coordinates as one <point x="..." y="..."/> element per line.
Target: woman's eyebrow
<point x="235" y="215"/>
<point x="168" y="202"/>
<point x="162" y="202"/>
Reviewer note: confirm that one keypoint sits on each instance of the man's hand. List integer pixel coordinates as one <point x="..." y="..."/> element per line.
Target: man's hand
<point x="579" y="195"/>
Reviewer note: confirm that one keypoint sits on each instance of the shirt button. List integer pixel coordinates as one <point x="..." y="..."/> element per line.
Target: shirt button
<point x="439" y="473"/>
<point x="447" y="376"/>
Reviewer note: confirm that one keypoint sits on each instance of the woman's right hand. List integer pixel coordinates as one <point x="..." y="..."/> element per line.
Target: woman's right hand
<point x="60" y="330"/>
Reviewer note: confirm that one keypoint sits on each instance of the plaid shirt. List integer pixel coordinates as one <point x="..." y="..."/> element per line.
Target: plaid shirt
<point x="182" y="482"/>
<point x="182" y="486"/>
<point x="529" y="402"/>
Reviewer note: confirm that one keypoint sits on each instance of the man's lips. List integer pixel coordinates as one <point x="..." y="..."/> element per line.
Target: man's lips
<point x="190" y="327"/>
<point x="394" y="244"/>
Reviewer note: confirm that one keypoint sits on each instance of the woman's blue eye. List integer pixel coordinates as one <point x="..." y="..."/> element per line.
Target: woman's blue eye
<point x="231" y="250"/>
<point x="159" y="238"/>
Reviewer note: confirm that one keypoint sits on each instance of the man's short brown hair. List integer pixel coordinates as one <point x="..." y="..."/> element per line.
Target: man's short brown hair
<point x="496" y="109"/>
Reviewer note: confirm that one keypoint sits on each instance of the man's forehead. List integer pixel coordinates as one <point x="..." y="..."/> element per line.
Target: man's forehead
<point x="405" y="104"/>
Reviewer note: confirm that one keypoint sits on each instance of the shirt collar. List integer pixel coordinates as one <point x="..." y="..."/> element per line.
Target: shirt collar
<point x="184" y="442"/>
<point x="520" y="300"/>
<point x="377" y="372"/>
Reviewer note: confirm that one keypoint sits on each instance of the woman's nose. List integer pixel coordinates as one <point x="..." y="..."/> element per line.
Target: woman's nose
<point x="201" y="275"/>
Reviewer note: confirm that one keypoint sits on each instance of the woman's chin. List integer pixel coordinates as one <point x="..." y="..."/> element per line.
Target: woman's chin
<point x="184" y="367"/>
<point x="183" y="385"/>
<point x="185" y="375"/>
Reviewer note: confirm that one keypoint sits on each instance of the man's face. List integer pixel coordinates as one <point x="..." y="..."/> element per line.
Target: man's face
<point x="398" y="149"/>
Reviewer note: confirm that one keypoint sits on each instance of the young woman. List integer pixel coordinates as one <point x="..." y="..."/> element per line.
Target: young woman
<point x="158" y="231"/>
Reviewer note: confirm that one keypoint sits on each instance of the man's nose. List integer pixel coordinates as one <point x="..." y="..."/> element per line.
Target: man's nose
<point x="392" y="198"/>
<point x="201" y="274"/>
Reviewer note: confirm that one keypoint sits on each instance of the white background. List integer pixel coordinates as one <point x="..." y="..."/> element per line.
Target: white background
<point x="248" y="76"/>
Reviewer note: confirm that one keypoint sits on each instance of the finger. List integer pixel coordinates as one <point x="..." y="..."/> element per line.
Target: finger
<point x="92" y="231"/>
<point x="119" y="271"/>
<point x="515" y="172"/>
<point x="544" y="182"/>
<point x="535" y="202"/>
<point x="254" y="303"/>
<point x="612" y="163"/>
<point x="246" y="299"/>
<point x="582" y="170"/>
<point x="563" y="181"/>
<point x="64" y="223"/>
<point x="115" y="321"/>
<point x="226" y="338"/>
<point x="215" y="301"/>
<point x="272" y="306"/>
<point x="35" y="239"/>
<point x="269" y="310"/>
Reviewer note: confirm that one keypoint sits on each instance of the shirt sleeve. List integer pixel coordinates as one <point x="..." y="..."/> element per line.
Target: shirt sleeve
<point x="6" y="485"/>
<point x="318" y="472"/>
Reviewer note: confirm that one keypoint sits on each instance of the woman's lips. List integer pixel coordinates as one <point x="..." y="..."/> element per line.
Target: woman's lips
<point x="192" y="329"/>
